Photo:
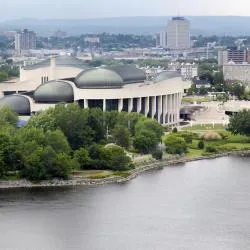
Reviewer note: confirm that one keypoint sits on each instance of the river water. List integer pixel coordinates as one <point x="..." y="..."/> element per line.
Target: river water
<point x="198" y="205"/>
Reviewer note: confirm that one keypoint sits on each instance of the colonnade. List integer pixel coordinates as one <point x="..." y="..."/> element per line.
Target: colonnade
<point x="164" y="108"/>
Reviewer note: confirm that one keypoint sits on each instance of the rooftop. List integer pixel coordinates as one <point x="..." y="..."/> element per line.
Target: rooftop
<point x="62" y="61"/>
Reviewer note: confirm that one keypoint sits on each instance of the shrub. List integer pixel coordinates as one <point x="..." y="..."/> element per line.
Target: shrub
<point x="211" y="136"/>
<point x="175" y="130"/>
<point x="175" y="144"/>
<point x="211" y="149"/>
<point x="188" y="137"/>
<point x="145" y="141"/>
<point x="157" y="154"/>
<point x="201" y="144"/>
<point x="224" y="135"/>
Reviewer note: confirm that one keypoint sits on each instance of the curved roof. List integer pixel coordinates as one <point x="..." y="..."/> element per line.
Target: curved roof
<point x="53" y="92"/>
<point x="106" y="77"/>
<point x="17" y="103"/>
<point x="165" y="75"/>
<point x="61" y="61"/>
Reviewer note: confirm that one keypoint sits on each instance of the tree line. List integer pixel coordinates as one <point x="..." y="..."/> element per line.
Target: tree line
<point x="65" y="138"/>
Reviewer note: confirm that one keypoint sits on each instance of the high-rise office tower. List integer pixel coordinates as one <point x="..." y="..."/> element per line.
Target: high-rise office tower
<point x="161" y="39"/>
<point x="25" y="40"/>
<point x="178" y="33"/>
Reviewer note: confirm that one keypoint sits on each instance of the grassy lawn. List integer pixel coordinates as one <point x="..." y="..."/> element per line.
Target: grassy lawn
<point x="100" y="174"/>
<point x="194" y="152"/>
<point x="204" y="127"/>
<point x="93" y="174"/>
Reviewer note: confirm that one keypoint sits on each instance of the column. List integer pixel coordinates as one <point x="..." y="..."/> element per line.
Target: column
<point x="138" y="105"/>
<point x="169" y="110"/>
<point x="86" y="103"/>
<point x="153" y="106"/>
<point x="146" y="106"/>
<point x="104" y="104"/>
<point x="164" y="108"/>
<point x="159" y="108"/>
<point x="130" y="105"/>
<point x="120" y="105"/>
<point x="173" y="113"/>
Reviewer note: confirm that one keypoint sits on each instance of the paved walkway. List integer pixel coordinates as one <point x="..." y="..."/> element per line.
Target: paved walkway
<point x="213" y="113"/>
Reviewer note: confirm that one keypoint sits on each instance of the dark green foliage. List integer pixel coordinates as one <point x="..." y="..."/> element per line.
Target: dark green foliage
<point x="145" y="141"/>
<point x="67" y="137"/>
<point x="237" y="89"/>
<point x="157" y="154"/>
<point x="148" y="134"/>
<point x="57" y="140"/>
<point x="240" y="123"/>
<point x="202" y="90"/>
<point x="112" y="157"/>
<point x="82" y="157"/>
<point x="175" y="130"/>
<point x="3" y="76"/>
<point x="7" y="117"/>
<point x="188" y="137"/>
<point x="210" y="149"/>
<point x="201" y="144"/>
<point x="175" y="144"/>
<point x="121" y="136"/>
<point x="118" y="160"/>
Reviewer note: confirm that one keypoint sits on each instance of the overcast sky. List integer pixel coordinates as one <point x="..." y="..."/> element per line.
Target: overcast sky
<point x="74" y="9"/>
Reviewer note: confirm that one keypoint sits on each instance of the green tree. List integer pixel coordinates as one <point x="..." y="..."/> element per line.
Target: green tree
<point x="240" y="123"/>
<point x="34" y="168"/>
<point x="150" y="125"/>
<point x="3" y="76"/>
<point x="219" y="78"/>
<point x="57" y="140"/>
<point x="121" y="136"/>
<point x="203" y="90"/>
<point x="10" y="156"/>
<point x="146" y="141"/>
<point x="118" y="161"/>
<point x="175" y="144"/>
<point x="237" y="89"/>
<point x="73" y="121"/>
<point x="45" y="120"/>
<point x="63" y="165"/>
<point x="82" y="157"/>
<point x="7" y="116"/>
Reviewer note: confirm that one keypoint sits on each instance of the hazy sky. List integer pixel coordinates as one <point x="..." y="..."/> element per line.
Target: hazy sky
<point x="44" y="9"/>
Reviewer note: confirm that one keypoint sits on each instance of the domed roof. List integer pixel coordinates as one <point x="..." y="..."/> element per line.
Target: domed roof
<point x="17" y="103"/>
<point x="53" y="92"/>
<point x="165" y="75"/>
<point x="107" y="77"/>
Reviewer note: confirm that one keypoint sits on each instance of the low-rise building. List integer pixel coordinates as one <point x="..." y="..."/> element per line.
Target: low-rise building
<point x="189" y="71"/>
<point x="239" y="72"/>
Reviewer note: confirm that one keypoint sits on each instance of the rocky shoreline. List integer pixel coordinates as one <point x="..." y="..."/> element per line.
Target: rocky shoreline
<point x="81" y="181"/>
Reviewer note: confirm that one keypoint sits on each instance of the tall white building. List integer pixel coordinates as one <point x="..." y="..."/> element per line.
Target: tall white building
<point x="161" y="39"/>
<point x="178" y="34"/>
<point x="25" y="40"/>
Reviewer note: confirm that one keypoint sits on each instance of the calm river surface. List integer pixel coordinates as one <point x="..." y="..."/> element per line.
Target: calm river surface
<point x="199" y="205"/>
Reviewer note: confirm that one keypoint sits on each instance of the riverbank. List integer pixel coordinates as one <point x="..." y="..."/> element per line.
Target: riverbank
<point x="81" y="181"/>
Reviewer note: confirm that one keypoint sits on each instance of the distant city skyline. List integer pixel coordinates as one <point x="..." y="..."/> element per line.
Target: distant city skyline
<point x="78" y="9"/>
